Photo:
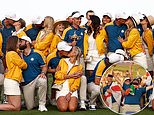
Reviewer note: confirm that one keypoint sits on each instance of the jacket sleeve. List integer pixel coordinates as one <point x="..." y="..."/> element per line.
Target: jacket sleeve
<point x="75" y="85"/>
<point x="42" y="45"/>
<point x="104" y="36"/>
<point x="85" y="44"/>
<point x="59" y="75"/>
<point x="76" y="82"/>
<point x="54" y="43"/>
<point x="131" y="40"/>
<point x="148" y="38"/>
<point x="16" y="59"/>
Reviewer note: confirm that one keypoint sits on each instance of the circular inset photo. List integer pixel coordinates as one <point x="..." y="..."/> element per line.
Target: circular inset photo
<point x="126" y="87"/>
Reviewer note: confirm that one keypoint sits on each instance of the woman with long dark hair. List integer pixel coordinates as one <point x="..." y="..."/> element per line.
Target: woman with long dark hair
<point x="147" y="39"/>
<point x="96" y="48"/>
<point x="13" y="76"/>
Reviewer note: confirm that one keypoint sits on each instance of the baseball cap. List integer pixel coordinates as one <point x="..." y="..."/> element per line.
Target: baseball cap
<point x="63" y="46"/>
<point x="121" y="52"/>
<point x="113" y="58"/>
<point x="37" y="20"/>
<point x="127" y="78"/>
<point x="77" y="15"/>
<point x="12" y="16"/>
<point x="107" y="14"/>
<point x="121" y="15"/>
<point x="26" y="38"/>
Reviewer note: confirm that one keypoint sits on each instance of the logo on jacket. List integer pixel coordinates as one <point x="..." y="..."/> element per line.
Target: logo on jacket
<point x="122" y="31"/>
<point x="32" y="59"/>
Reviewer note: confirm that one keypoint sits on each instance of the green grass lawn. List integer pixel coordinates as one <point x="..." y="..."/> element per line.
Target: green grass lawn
<point x="54" y="111"/>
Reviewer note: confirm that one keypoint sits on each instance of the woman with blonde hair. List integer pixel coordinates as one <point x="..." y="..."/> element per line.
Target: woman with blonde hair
<point x="58" y="28"/>
<point x="13" y="76"/>
<point x="45" y="36"/>
<point x="68" y="76"/>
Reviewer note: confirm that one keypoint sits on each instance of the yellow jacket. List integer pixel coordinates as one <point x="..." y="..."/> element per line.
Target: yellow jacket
<point x="148" y="38"/>
<point x="55" y="41"/>
<point x="1" y="41"/>
<point x="20" y="34"/>
<point x="14" y="66"/>
<point x="99" y="43"/>
<point x="133" y="43"/>
<point x="59" y="75"/>
<point x="44" y="44"/>
<point x="28" y="27"/>
<point x="51" y="55"/>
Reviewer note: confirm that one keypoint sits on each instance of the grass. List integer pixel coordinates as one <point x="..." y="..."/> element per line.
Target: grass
<point x="54" y="111"/>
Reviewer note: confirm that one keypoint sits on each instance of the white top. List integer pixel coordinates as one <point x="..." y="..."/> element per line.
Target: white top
<point x="92" y="42"/>
<point x="70" y="65"/>
<point x="17" y="32"/>
<point x="92" y="48"/>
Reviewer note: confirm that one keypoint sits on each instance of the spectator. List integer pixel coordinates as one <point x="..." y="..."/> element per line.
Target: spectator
<point x="45" y="36"/>
<point x="147" y="39"/>
<point x="132" y="102"/>
<point x="107" y="18"/>
<point x="34" y="76"/>
<point x="113" y="31"/>
<point x="96" y="49"/>
<point x="133" y="42"/>
<point x="58" y="29"/>
<point x="88" y="14"/>
<point x="19" y="28"/>
<point x="68" y="75"/>
<point x="33" y="29"/>
<point x="53" y="60"/>
<point x="13" y="76"/>
<point x="6" y="32"/>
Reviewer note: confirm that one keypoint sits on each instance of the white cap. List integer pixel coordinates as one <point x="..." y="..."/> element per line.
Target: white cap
<point x="113" y="58"/>
<point x="77" y="15"/>
<point x="12" y="16"/>
<point x="141" y="16"/>
<point x="107" y="14"/>
<point x="37" y="20"/>
<point x="127" y="78"/>
<point x="26" y="38"/>
<point x="121" y="52"/>
<point x="121" y="15"/>
<point x="63" y="46"/>
<point x="137" y="18"/>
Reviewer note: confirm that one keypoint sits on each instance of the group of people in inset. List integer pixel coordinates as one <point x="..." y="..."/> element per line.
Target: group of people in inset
<point x="76" y="56"/>
<point x="126" y="94"/>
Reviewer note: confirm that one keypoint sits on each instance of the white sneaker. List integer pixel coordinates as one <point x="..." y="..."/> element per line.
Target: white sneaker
<point x="82" y="106"/>
<point x="92" y="107"/>
<point x="42" y="108"/>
